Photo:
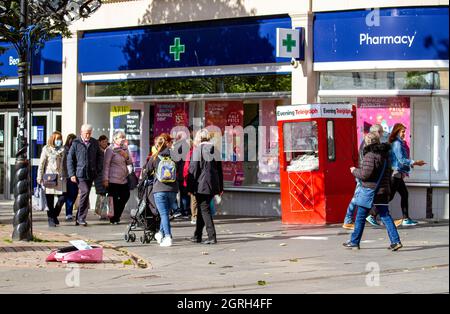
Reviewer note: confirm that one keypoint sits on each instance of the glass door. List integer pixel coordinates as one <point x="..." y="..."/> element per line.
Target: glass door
<point x="2" y="157"/>
<point x="41" y="130"/>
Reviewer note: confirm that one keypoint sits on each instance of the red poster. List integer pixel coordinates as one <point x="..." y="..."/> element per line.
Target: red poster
<point x="169" y="115"/>
<point x="269" y="165"/>
<point x="385" y="111"/>
<point x="222" y="114"/>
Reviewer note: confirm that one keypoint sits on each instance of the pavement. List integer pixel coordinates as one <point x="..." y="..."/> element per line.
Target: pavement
<point x="253" y="255"/>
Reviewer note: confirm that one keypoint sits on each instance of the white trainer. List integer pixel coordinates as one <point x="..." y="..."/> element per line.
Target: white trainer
<point x="166" y="241"/>
<point x="158" y="237"/>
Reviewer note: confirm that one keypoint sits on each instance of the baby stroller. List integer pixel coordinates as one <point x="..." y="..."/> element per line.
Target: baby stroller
<point x="145" y="217"/>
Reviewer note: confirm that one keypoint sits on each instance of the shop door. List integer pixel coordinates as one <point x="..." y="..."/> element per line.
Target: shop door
<point x="2" y="156"/>
<point x="42" y="126"/>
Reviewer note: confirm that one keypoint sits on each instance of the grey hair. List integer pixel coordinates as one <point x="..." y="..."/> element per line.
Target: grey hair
<point x="202" y="136"/>
<point x="118" y="133"/>
<point x="86" y="127"/>
<point x="376" y="128"/>
<point x="371" y="138"/>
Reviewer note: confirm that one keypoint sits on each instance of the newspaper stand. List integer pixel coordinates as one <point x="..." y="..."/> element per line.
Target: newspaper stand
<point x="318" y="145"/>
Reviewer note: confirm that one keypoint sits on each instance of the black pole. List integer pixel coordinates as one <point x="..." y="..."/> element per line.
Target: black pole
<point x="22" y="205"/>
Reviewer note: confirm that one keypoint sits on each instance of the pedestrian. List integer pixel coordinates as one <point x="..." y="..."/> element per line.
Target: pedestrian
<point x="165" y="187"/>
<point x="72" y="188"/>
<point x="350" y="214"/>
<point x="85" y="163"/>
<point x="401" y="166"/>
<point x="115" y="173"/>
<point x="192" y="200"/>
<point x="375" y="173"/>
<point x="100" y="189"/>
<point x="204" y="182"/>
<point x="182" y="147"/>
<point x="52" y="174"/>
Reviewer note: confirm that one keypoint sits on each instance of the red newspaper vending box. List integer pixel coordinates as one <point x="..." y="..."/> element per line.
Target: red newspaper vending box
<point x="318" y="145"/>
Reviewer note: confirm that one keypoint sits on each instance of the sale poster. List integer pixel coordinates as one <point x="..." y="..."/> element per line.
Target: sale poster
<point x="386" y="111"/>
<point x="170" y="115"/>
<point x="222" y="114"/>
<point x="269" y="165"/>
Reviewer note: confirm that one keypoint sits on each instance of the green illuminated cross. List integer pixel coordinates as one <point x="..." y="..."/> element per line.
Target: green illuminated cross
<point x="289" y="43"/>
<point x="177" y="49"/>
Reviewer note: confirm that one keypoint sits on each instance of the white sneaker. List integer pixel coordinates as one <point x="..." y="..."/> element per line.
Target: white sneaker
<point x="166" y="241"/>
<point x="194" y="221"/>
<point x="158" y="237"/>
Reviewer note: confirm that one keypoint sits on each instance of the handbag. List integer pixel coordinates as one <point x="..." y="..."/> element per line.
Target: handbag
<point x="132" y="180"/>
<point x="50" y="180"/>
<point x="364" y="196"/>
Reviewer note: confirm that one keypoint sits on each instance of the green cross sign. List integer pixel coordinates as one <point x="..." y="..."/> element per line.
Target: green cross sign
<point x="289" y="43"/>
<point x="177" y="49"/>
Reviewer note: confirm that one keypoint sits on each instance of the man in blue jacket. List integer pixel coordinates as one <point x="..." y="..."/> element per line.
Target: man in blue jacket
<point x="84" y="164"/>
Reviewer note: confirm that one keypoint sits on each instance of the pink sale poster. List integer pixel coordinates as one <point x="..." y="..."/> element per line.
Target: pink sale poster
<point x="386" y="111"/>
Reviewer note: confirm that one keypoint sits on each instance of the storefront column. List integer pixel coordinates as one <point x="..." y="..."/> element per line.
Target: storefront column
<point x="304" y="88"/>
<point x="72" y="88"/>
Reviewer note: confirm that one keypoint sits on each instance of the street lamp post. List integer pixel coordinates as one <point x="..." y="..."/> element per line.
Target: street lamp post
<point x="22" y="208"/>
<point x="47" y="18"/>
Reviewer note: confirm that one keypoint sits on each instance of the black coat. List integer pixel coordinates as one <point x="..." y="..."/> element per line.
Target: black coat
<point x="205" y="176"/>
<point x="85" y="161"/>
<point x="370" y="170"/>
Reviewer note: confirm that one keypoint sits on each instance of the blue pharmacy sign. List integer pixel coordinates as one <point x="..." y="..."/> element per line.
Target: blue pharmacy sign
<point x="201" y="44"/>
<point x="382" y="34"/>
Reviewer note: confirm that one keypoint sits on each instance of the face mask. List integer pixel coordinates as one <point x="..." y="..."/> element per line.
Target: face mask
<point x="58" y="143"/>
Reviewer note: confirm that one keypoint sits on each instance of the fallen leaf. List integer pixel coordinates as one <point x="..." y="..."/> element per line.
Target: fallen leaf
<point x="262" y="283"/>
<point x="283" y="244"/>
<point x="212" y="263"/>
<point x="205" y="253"/>
<point x="294" y="260"/>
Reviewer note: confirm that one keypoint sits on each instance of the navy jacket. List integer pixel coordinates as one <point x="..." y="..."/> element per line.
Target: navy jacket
<point x="85" y="161"/>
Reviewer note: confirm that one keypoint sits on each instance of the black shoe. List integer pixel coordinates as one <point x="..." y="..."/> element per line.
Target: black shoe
<point x="56" y="221"/>
<point x="195" y="240"/>
<point x="395" y="246"/>
<point x="213" y="241"/>
<point x="51" y="222"/>
<point x="350" y="245"/>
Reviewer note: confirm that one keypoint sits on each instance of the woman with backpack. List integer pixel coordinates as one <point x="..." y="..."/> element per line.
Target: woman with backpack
<point x="165" y="186"/>
<point x="115" y="173"/>
<point x="204" y="182"/>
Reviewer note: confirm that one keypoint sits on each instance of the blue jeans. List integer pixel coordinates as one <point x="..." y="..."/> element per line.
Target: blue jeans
<point x="386" y="218"/>
<point x="351" y="207"/>
<point x="165" y="201"/>
<point x="71" y="196"/>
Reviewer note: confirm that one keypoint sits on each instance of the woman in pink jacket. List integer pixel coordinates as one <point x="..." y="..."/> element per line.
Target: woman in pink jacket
<point x="115" y="173"/>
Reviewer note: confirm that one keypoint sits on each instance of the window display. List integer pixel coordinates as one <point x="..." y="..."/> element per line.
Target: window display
<point x="301" y="146"/>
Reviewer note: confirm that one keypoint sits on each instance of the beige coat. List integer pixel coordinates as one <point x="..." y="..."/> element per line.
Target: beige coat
<point x="53" y="161"/>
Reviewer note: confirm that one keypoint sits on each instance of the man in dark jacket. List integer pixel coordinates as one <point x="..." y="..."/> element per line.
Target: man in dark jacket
<point x="84" y="164"/>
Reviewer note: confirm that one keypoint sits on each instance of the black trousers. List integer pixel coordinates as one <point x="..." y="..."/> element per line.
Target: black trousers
<point x="204" y="217"/>
<point x="54" y="210"/>
<point x="121" y="195"/>
<point x="398" y="185"/>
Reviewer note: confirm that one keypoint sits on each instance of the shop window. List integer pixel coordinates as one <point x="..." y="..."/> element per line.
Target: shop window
<point x="194" y="85"/>
<point x="399" y="80"/>
<point x="330" y="141"/>
<point x="301" y="146"/>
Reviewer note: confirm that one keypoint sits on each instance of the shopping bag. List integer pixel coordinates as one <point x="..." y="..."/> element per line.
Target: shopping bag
<point x="110" y="209"/>
<point x="38" y="201"/>
<point x="101" y="205"/>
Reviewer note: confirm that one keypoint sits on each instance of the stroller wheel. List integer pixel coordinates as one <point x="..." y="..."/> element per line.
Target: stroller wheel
<point x="143" y="239"/>
<point x="132" y="237"/>
<point x="126" y="237"/>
